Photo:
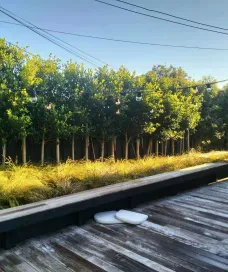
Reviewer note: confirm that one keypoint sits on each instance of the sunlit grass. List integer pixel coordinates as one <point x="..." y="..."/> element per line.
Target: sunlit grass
<point x="29" y="183"/>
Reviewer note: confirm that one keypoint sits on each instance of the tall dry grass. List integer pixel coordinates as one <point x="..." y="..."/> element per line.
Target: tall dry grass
<point x="29" y="183"/>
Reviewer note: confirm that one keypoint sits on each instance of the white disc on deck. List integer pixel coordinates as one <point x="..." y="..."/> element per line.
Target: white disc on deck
<point x="107" y="218"/>
<point x="131" y="217"/>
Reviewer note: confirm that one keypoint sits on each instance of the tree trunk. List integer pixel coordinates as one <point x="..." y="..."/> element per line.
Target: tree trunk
<point x="94" y="155"/>
<point x="113" y="144"/>
<point x="102" y="150"/>
<point x="188" y="140"/>
<point x="183" y="145"/>
<point x="156" y="148"/>
<point x="87" y="143"/>
<point x="16" y="160"/>
<point x="180" y="146"/>
<point x="126" y="146"/>
<point x="87" y="147"/>
<point x="173" y="147"/>
<point x="72" y="147"/>
<point x="57" y="151"/>
<point x="150" y="147"/>
<point x="42" y="150"/>
<point x="24" y="149"/>
<point x="4" y="153"/>
<point x="138" y="149"/>
<point x="162" y="147"/>
<point x="165" y="147"/>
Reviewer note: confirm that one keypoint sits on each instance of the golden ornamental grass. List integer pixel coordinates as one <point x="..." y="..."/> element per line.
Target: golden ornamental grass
<point x="29" y="183"/>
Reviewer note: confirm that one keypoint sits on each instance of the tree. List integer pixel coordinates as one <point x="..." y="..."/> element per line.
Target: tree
<point x="220" y="120"/>
<point x="14" y="97"/>
<point x="206" y="128"/>
<point x="107" y="121"/>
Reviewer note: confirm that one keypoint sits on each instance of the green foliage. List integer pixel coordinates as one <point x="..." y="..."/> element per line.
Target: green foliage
<point x="102" y="103"/>
<point x="14" y="115"/>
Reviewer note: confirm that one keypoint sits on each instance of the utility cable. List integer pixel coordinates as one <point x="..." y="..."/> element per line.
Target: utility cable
<point x="159" y="18"/>
<point x="170" y="15"/>
<point x="48" y="38"/>
<point x="125" y="41"/>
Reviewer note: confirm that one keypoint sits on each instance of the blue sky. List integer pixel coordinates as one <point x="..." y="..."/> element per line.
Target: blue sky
<point x="91" y="18"/>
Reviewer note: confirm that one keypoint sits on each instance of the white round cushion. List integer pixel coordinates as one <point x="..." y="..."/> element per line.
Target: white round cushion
<point x="107" y="218"/>
<point x="131" y="217"/>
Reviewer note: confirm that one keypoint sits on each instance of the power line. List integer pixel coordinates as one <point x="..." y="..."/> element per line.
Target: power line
<point x="170" y="15"/>
<point x="45" y="36"/>
<point x="44" y="30"/>
<point x="124" y="41"/>
<point x="162" y="19"/>
<point x="72" y="51"/>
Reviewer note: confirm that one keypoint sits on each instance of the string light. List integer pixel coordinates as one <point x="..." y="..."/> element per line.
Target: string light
<point x="208" y="87"/>
<point x="34" y="98"/>
<point x="49" y="106"/>
<point x="138" y="96"/>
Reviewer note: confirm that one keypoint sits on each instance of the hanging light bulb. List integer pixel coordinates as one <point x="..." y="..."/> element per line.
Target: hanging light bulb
<point x="138" y="96"/>
<point x="208" y="87"/>
<point x="34" y="98"/>
<point x="48" y="107"/>
<point x="118" y="101"/>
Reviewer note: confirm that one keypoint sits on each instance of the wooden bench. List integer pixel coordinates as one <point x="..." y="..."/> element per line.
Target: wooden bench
<point x="20" y="223"/>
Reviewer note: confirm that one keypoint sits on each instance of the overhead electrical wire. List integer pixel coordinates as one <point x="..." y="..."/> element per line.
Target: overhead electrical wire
<point x="170" y="15"/>
<point x="44" y="30"/>
<point x="159" y="18"/>
<point x="123" y="41"/>
<point x="57" y="43"/>
<point x="34" y="29"/>
<point x="49" y="39"/>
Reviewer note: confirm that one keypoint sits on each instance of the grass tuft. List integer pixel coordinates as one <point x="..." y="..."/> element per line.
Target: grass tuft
<point x="25" y="184"/>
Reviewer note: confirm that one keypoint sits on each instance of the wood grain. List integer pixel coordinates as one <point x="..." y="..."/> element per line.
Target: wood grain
<point x="186" y="232"/>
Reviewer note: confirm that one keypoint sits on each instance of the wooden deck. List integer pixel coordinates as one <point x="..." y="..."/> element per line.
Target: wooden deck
<point x="187" y="232"/>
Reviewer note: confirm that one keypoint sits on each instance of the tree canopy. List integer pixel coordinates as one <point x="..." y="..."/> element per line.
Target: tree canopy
<point x="104" y="104"/>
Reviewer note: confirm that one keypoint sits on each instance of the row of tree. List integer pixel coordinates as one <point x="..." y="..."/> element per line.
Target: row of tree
<point x="51" y="101"/>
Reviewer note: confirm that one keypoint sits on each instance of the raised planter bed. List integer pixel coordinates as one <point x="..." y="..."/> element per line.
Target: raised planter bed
<point x="20" y="223"/>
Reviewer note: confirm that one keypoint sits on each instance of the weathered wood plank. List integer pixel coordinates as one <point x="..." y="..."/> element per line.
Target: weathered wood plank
<point x="180" y="214"/>
<point x="211" y="192"/>
<point x="212" y="197"/>
<point x="168" y="219"/>
<point x="186" y="232"/>
<point x="125" y="258"/>
<point x="145" y="249"/>
<point x="218" y="215"/>
<point x="216" y="189"/>
<point x="201" y="201"/>
<point x="10" y="262"/>
<point x="194" y="256"/>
